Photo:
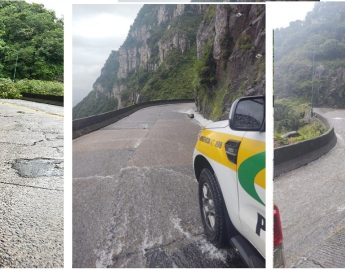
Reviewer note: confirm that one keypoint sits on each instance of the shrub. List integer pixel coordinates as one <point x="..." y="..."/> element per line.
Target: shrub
<point x="40" y="87"/>
<point x="8" y="89"/>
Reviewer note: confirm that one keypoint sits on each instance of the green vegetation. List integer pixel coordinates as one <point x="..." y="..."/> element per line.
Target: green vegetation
<point x="40" y="87"/>
<point x="172" y="79"/>
<point x="31" y="50"/>
<point x="245" y="42"/>
<point x="294" y="115"/>
<point x="94" y="103"/>
<point x="8" y="90"/>
<point x="162" y="83"/>
<point x="321" y="36"/>
<point x="210" y="13"/>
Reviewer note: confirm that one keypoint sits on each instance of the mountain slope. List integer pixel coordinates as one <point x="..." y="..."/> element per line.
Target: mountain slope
<point x="321" y="36"/>
<point x="212" y="53"/>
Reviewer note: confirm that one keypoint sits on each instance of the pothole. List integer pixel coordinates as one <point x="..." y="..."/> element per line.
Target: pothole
<point x="38" y="167"/>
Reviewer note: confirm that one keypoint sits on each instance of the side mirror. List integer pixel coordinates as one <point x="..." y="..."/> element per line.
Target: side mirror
<point x="248" y="114"/>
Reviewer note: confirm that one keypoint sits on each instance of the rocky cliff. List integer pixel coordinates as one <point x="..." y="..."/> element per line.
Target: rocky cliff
<point x="313" y="48"/>
<point x="213" y="53"/>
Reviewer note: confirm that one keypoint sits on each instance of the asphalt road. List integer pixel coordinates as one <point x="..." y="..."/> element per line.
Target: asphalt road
<point x="31" y="184"/>
<point x="135" y="196"/>
<point x="312" y="204"/>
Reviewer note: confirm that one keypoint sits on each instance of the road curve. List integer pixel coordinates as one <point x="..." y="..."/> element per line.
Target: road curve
<point x="312" y="204"/>
<point x="31" y="185"/>
<point x="135" y="196"/>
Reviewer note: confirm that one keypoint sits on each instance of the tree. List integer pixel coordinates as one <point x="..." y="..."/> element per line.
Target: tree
<point x="35" y="36"/>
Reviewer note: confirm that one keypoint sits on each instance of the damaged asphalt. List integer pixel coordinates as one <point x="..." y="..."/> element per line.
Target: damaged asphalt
<point x="135" y="201"/>
<point x="31" y="184"/>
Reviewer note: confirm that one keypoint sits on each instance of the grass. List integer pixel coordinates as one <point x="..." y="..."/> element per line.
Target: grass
<point x="293" y="115"/>
<point x="306" y="132"/>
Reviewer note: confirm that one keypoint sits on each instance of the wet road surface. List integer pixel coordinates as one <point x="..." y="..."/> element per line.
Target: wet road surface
<point x="135" y="198"/>
<point x="312" y="204"/>
<point x="31" y="184"/>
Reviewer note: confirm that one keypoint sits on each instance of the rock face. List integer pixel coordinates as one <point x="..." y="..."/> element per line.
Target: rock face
<point x="237" y="54"/>
<point x="310" y="57"/>
<point x="204" y="52"/>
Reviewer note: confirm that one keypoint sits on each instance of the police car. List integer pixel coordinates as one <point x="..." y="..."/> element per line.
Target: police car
<point x="229" y="164"/>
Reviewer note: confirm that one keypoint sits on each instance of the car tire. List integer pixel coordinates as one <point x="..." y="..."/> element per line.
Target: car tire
<point x="212" y="209"/>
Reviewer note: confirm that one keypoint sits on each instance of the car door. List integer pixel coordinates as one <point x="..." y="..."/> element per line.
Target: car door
<point x="251" y="188"/>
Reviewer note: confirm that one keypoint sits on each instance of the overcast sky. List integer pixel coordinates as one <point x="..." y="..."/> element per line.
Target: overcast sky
<point x="97" y="30"/>
<point x="57" y="6"/>
<point x="280" y="14"/>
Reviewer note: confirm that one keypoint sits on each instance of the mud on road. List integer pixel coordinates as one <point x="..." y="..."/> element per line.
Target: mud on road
<point x="31" y="184"/>
<point x="135" y="200"/>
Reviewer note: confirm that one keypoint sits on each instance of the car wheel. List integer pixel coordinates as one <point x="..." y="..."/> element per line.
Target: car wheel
<point x="212" y="208"/>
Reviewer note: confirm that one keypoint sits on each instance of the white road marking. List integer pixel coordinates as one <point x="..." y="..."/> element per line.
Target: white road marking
<point x="338" y="118"/>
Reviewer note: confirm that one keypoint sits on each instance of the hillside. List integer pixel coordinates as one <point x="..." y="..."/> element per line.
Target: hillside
<point x="31" y="50"/>
<point x="213" y="53"/>
<point x="35" y="36"/>
<point x="320" y="36"/>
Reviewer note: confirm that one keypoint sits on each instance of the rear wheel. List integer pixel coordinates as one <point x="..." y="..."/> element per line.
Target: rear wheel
<point x="212" y="208"/>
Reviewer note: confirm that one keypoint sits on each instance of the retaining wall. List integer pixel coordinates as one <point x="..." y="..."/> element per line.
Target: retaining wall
<point x="290" y="157"/>
<point x="48" y="99"/>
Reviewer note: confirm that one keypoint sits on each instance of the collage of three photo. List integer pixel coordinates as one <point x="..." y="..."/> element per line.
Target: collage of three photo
<point x="141" y="134"/>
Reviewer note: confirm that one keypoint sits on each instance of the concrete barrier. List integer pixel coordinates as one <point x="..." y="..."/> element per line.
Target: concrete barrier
<point x="86" y="125"/>
<point x="48" y="99"/>
<point x="290" y="157"/>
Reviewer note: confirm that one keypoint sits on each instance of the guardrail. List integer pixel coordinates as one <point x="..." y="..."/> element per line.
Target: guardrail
<point x="48" y="99"/>
<point x="290" y="157"/>
<point x="86" y="125"/>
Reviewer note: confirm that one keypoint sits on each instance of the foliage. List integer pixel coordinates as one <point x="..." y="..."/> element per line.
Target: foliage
<point x="33" y="35"/>
<point x="294" y="115"/>
<point x="8" y="89"/>
<point x="94" y="103"/>
<point x="289" y="114"/>
<point x="210" y="13"/>
<point x="320" y="37"/>
<point x="311" y="130"/>
<point x="171" y="80"/>
<point x="245" y="42"/>
<point x="205" y="81"/>
<point x="40" y="87"/>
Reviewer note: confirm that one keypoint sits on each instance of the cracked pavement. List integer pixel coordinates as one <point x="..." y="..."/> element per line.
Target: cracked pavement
<point x="312" y="205"/>
<point x="135" y="200"/>
<point x="31" y="184"/>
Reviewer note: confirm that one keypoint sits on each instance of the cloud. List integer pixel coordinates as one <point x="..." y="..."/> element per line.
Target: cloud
<point x="57" y="6"/>
<point x="280" y="14"/>
<point x="97" y="30"/>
